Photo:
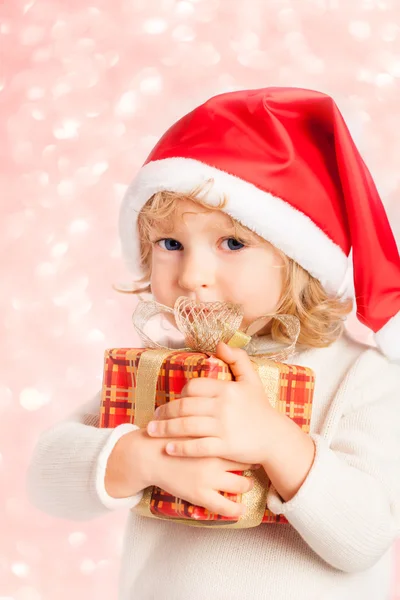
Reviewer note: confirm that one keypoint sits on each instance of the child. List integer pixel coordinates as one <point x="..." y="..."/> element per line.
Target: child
<point x="256" y="197"/>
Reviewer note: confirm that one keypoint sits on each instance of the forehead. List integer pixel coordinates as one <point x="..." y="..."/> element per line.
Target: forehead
<point x="188" y="214"/>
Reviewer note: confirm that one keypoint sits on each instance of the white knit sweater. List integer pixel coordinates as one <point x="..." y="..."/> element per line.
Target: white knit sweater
<point x="343" y="520"/>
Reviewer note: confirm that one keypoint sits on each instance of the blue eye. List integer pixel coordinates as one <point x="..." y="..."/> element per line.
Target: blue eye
<point x="234" y="244"/>
<point x="170" y="244"/>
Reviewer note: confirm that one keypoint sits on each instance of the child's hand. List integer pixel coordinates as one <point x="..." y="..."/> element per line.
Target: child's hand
<point x="230" y="419"/>
<point x="141" y="461"/>
<point x="199" y="480"/>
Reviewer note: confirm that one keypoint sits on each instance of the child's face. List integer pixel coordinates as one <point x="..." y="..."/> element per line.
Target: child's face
<point x="197" y="256"/>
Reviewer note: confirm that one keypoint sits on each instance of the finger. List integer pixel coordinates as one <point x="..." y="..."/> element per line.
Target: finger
<point x="184" y="427"/>
<point x="235" y="484"/>
<point x="234" y="466"/>
<point x="238" y="361"/>
<point x="220" y="505"/>
<point x="198" y="448"/>
<point x="186" y="407"/>
<point x="203" y="386"/>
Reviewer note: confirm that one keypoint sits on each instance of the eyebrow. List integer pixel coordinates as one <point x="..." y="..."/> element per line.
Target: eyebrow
<point x="166" y="227"/>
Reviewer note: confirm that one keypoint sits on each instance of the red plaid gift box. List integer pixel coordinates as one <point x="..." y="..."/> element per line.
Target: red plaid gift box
<point x="127" y="398"/>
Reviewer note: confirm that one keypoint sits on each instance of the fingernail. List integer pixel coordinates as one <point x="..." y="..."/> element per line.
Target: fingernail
<point x="157" y="412"/>
<point x="152" y="427"/>
<point x="170" y="448"/>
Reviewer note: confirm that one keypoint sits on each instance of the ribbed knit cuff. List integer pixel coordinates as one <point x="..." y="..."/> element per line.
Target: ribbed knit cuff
<point x="105" y="498"/>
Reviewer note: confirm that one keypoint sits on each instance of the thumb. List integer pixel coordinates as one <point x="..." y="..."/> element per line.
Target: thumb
<point x="238" y="361"/>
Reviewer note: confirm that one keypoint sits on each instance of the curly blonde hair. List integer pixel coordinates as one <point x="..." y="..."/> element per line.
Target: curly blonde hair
<point x="321" y="316"/>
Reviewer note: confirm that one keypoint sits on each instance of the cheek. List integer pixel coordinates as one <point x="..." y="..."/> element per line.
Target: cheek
<point x="161" y="280"/>
<point x="158" y="281"/>
<point x="259" y="286"/>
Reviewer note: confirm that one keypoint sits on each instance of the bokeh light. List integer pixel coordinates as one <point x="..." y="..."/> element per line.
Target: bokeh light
<point x="86" y="90"/>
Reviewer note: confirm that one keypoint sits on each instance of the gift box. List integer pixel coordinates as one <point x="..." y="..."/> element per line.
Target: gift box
<point x="136" y="381"/>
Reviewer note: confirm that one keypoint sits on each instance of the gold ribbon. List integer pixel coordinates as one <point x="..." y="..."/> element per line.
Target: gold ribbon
<point x="239" y="340"/>
<point x="147" y="376"/>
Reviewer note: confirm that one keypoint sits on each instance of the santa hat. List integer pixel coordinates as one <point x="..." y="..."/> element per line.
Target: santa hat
<point x="291" y="172"/>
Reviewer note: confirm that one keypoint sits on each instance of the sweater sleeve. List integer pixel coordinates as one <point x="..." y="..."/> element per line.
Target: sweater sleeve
<point x="348" y="508"/>
<point x="66" y="474"/>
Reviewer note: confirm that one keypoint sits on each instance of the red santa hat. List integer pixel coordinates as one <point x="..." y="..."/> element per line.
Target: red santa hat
<point x="291" y="172"/>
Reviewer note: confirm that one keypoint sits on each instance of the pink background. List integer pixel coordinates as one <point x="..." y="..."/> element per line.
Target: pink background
<point x="86" y="90"/>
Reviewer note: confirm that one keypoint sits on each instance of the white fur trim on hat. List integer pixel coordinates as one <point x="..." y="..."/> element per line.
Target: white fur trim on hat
<point x="272" y="218"/>
<point x="388" y="338"/>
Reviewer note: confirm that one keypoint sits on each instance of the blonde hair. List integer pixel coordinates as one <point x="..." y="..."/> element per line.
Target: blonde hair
<point x="321" y="316"/>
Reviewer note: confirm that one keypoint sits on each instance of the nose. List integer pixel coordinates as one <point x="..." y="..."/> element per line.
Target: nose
<point x="197" y="271"/>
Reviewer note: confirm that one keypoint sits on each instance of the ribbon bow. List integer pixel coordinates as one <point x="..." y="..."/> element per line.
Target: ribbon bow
<point x="204" y="324"/>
